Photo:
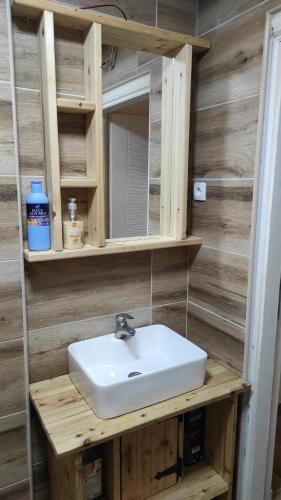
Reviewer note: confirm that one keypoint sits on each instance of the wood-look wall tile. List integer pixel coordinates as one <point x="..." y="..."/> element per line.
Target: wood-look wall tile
<point x="155" y="150"/>
<point x="41" y="481"/>
<point x="69" y="52"/>
<point x="4" y="46"/>
<point x="7" y="157"/>
<point x="12" y="395"/>
<point x="144" y="58"/>
<point x="171" y="315"/>
<point x="225" y="140"/>
<point x="144" y="12"/>
<point x="82" y="288"/>
<point x="169" y="275"/>
<point x="218" y="282"/>
<point x="30" y="132"/>
<point x="221" y="339"/>
<point x="18" y="491"/>
<point x="48" y="346"/>
<point x="232" y="68"/>
<point x="10" y="299"/>
<point x="72" y="144"/>
<point x="9" y="224"/>
<point x="13" y="446"/>
<point x="154" y="206"/>
<point x="26" y="53"/>
<point x="126" y="67"/>
<point x="211" y="13"/>
<point x="177" y="16"/>
<point x="69" y="57"/>
<point x="224" y="219"/>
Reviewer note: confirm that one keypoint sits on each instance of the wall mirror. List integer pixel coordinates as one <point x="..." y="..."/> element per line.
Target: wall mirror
<point x="132" y="101"/>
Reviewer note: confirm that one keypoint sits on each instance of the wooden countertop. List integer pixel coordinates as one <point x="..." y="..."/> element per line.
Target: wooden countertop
<point x="71" y="425"/>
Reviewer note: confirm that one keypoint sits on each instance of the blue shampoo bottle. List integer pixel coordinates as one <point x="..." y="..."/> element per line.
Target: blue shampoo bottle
<point x="38" y="220"/>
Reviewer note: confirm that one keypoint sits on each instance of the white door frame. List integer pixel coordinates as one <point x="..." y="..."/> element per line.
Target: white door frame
<point x="263" y="348"/>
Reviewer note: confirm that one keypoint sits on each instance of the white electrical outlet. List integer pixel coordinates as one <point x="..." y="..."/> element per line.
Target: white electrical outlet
<point x="199" y="191"/>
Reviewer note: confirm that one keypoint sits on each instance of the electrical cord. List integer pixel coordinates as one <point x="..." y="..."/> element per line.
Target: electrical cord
<point x="111" y="60"/>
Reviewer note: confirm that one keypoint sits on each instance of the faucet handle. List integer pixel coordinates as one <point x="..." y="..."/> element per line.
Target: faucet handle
<point x="122" y="318"/>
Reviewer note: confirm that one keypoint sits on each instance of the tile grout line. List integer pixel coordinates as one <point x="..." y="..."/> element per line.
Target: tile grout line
<point x="23" y="298"/>
<point x="234" y="17"/>
<point x="227" y="251"/>
<point x="222" y="179"/>
<point x="217" y="315"/>
<point x="23" y="412"/>
<point x="225" y="103"/>
<point x="6" y="489"/>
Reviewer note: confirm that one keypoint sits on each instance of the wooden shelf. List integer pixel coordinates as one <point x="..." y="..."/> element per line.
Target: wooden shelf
<point x="201" y="482"/>
<point x="72" y="426"/>
<point x="77" y="182"/>
<point x="112" y="246"/>
<point x="115" y="31"/>
<point x="75" y="106"/>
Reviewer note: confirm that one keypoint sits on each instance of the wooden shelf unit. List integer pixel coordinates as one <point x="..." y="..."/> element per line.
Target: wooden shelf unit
<point x="98" y="28"/>
<point x="71" y="427"/>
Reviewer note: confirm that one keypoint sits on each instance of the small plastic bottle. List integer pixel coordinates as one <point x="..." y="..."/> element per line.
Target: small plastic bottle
<point x="73" y="229"/>
<point x="38" y="220"/>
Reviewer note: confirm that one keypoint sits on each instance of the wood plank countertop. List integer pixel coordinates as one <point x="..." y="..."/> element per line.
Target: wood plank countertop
<point x="71" y="425"/>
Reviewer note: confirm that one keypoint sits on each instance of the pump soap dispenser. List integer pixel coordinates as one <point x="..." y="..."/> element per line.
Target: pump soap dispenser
<point x="72" y="228"/>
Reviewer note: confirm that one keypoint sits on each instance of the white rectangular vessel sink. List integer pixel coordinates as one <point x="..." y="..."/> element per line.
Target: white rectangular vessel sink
<point x="118" y="376"/>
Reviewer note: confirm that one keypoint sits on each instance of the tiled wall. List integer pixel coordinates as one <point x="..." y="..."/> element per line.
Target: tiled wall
<point x="225" y="120"/>
<point x="77" y="299"/>
<point x="14" y="482"/>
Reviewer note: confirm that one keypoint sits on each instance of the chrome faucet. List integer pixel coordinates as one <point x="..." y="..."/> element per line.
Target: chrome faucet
<point x="123" y="330"/>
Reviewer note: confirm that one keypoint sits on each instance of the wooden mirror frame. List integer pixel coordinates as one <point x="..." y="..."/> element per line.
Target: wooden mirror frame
<point x="98" y="28"/>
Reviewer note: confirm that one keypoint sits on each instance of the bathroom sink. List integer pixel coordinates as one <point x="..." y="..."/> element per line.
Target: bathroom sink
<point x="118" y="376"/>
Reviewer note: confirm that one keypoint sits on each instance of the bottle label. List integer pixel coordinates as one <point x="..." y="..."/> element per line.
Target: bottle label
<point x="38" y="214"/>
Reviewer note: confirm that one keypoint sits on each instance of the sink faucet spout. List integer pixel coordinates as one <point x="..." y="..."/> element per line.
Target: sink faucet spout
<point x="123" y="330"/>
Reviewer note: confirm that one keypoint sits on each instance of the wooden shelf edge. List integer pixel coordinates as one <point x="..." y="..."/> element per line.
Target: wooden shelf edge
<point x="115" y="31"/>
<point x="78" y="182"/>
<point x="76" y="106"/>
<point x="201" y="482"/>
<point x="112" y="247"/>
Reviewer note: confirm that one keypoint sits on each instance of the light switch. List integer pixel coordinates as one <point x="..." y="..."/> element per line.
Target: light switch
<point x="199" y="191"/>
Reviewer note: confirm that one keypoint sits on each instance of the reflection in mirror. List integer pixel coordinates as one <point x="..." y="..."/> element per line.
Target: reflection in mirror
<point x="132" y="130"/>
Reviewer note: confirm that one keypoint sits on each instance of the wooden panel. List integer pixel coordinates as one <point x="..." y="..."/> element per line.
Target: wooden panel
<point x="18" y="491"/>
<point x="75" y="106"/>
<point x="12" y="396"/>
<point x="111" y="469"/>
<point x="115" y="31"/>
<point x="78" y="428"/>
<point x="144" y="453"/>
<point x="224" y="219"/>
<point x="232" y="69"/>
<point x="177" y="16"/>
<point x="81" y="289"/>
<point x="155" y="147"/>
<point x="13" y="446"/>
<point x="49" y="108"/>
<point x="225" y="140"/>
<point x="77" y="182"/>
<point x="222" y="339"/>
<point x="201" y="483"/>
<point x="220" y="439"/>
<point x="11" y="301"/>
<point x="114" y="247"/>
<point x="176" y="85"/>
<point x="169" y="276"/>
<point x="154" y="206"/>
<point x="218" y="282"/>
<point x="9" y="223"/>
<point x="94" y="135"/>
<point x="171" y="315"/>
<point x="211" y="13"/>
<point x="66" y="479"/>
<point x="7" y="159"/>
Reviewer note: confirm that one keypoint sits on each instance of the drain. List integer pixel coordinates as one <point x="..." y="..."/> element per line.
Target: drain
<point x="133" y="374"/>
